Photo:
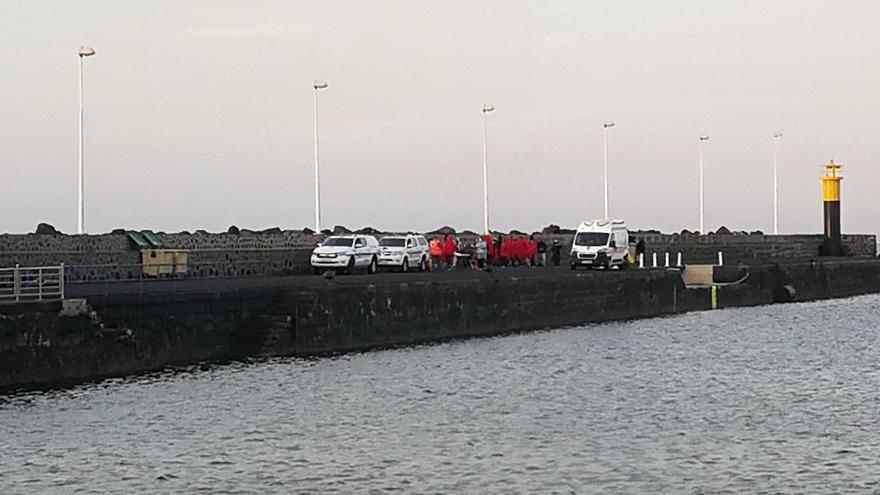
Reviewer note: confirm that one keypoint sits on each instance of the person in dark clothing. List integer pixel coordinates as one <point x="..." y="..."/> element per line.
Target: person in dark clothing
<point x="542" y="253"/>
<point x="640" y="248"/>
<point x="556" y="252"/>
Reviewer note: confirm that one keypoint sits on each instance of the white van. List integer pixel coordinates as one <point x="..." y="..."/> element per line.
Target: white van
<point x="602" y="243"/>
<point x="404" y="252"/>
<point x="346" y="252"/>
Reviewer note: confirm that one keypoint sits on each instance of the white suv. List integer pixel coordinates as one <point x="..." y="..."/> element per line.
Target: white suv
<point x="346" y="252"/>
<point x="404" y="252"/>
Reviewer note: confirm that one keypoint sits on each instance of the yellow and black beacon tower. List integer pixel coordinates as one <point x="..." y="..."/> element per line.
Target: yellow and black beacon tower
<point x="833" y="245"/>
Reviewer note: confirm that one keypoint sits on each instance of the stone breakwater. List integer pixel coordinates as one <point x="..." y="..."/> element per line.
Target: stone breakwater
<point x="276" y="252"/>
<point x="138" y="331"/>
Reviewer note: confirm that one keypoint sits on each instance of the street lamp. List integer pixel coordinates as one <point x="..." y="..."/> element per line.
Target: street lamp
<point x="776" y="136"/>
<point x="84" y="52"/>
<point x="317" y="84"/>
<point x="702" y="225"/>
<point x="486" y="109"/>
<point x="605" y="127"/>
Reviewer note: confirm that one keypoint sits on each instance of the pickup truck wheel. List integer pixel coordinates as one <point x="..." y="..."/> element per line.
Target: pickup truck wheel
<point x="404" y="265"/>
<point x="373" y="267"/>
<point x="350" y="268"/>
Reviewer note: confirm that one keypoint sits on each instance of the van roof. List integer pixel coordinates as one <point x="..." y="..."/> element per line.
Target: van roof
<point x="603" y="222"/>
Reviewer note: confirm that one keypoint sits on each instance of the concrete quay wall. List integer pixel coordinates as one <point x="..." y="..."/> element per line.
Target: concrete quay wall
<point x="138" y="332"/>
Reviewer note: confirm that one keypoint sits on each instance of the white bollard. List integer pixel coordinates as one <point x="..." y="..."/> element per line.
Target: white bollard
<point x="654" y="259"/>
<point x="678" y="259"/>
<point x="641" y="260"/>
<point x="720" y="259"/>
<point x="666" y="263"/>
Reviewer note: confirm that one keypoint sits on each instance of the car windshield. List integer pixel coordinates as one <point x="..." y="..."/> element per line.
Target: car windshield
<point x="392" y="242"/>
<point x="338" y="242"/>
<point x="591" y="239"/>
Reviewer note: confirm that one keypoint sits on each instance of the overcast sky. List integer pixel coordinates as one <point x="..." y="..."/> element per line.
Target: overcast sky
<point x="199" y="113"/>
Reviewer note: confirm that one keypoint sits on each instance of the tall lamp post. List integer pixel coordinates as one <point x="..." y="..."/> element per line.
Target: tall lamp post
<point x="486" y="109"/>
<point x="317" y="85"/>
<point x="776" y="136"/>
<point x="605" y="127"/>
<point x="702" y="224"/>
<point x="84" y="52"/>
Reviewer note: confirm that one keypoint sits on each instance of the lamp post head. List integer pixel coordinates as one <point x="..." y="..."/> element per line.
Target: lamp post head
<point x="704" y="138"/>
<point x="777" y="135"/>
<point x="86" y="51"/>
<point x="607" y="124"/>
<point x="487" y="108"/>
<point x="319" y="84"/>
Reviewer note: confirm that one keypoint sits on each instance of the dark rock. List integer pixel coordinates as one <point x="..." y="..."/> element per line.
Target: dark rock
<point x="272" y="231"/>
<point x="340" y="229"/>
<point x="327" y="232"/>
<point x="757" y="232"/>
<point x="551" y="229"/>
<point x="46" y="229"/>
<point x="119" y="232"/>
<point x="308" y="231"/>
<point x="233" y="230"/>
<point x="723" y="231"/>
<point x="246" y="232"/>
<point x="444" y="231"/>
<point x="201" y="232"/>
<point x="367" y="231"/>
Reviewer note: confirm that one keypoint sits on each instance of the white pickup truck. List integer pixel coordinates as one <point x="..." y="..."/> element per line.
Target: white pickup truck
<point x="346" y="252"/>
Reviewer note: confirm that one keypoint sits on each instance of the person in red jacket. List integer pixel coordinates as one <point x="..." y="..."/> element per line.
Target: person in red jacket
<point x="522" y="251"/>
<point x="533" y="250"/>
<point x="435" y="249"/>
<point x="449" y="251"/>
<point x="505" y="251"/>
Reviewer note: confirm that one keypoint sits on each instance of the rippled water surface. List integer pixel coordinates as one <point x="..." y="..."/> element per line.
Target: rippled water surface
<point x="769" y="399"/>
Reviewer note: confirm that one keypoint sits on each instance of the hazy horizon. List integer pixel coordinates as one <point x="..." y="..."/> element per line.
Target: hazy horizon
<point x="198" y="115"/>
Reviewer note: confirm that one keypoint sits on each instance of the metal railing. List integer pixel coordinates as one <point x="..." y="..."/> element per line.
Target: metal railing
<point x="31" y="284"/>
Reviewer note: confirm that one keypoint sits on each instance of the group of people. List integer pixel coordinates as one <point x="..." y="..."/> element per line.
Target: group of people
<point x="485" y="251"/>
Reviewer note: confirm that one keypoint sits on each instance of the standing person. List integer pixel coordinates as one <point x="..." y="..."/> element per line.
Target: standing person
<point x="556" y="252"/>
<point x="449" y="252"/>
<point x="435" y="249"/>
<point x="490" y="249"/>
<point x="522" y="251"/>
<point x="533" y="251"/>
<point x="640" y="248"/>
<point x="542" y="252"/>
<point x="481" y="253"/>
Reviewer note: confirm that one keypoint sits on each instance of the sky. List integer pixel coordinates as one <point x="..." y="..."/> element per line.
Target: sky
<point x="199" y="114"/>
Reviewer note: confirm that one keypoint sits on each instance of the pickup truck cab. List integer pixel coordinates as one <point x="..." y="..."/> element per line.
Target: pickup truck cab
<point x="347" y="253"/>
<point x="600" y="243"/>
<point x="403" y="252"/>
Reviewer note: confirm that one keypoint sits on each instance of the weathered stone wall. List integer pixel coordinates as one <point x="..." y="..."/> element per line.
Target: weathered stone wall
<point x="276" y="252"/>
<point x="147" y="331"/>
<point x="748" y="248"/>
